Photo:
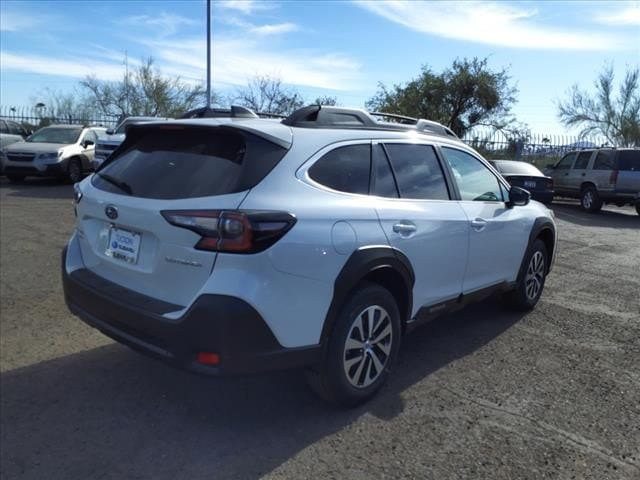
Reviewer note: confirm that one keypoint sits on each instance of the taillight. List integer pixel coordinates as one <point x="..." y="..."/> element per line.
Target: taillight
<point x="550" y="183"/>
<point x="613" y="178"/>
<point x="232" y="231"/>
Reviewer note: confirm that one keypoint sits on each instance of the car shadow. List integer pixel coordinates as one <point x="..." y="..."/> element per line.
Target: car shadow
<point x="608" y="218"/>
<point x="34" y="187"/>
<point x="112" y="413"/>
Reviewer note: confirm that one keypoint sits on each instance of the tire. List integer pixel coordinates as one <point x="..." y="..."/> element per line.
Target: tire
<point x="74" y="170"/>
<point x="16" y="178"/>
<point x="529" y="289"/>
<point x="590" y="200"/>
<point x="341" y="378"/>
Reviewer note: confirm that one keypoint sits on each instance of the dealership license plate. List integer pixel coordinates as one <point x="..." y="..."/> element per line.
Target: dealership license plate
<point x="529" y="184"/>
<point x="123" y="245"/>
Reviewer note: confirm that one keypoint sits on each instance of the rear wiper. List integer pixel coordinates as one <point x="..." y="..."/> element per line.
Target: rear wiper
<point x="114" y="181"/>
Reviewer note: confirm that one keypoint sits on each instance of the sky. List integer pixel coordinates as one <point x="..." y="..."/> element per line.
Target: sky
<point x="336" y="48"/>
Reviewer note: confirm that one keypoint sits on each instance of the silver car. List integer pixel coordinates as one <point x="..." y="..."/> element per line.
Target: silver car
<point x="599" y="176"/>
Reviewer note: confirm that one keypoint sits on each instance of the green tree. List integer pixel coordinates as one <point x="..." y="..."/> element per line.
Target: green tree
<point x="326" y="100"/>
<point x="143" y="91"/>
<point x="465" y="95"/>
<point x="615" y="117"/>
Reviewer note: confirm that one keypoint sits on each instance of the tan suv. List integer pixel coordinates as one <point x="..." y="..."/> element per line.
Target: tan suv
<point x="598" y="176"/>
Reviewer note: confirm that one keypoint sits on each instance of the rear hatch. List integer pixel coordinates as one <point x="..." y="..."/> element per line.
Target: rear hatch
<point x="124" y="233"/>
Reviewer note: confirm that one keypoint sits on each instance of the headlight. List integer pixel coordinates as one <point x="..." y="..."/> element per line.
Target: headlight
<point x="49" y="156"/>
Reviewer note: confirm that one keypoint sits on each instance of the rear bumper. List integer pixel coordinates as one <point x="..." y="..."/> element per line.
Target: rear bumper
<point x="221" y="324"/>
<point x="52" y="170"/>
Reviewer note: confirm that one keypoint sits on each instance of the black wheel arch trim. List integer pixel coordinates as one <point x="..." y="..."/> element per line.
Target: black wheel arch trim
<point x="539" y="226"/>
<point x="361" y="263"/>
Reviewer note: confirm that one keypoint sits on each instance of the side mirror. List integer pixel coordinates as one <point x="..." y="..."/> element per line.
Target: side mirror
<point x="518" y="197"/>
<point x="109" y="131"/>
<point x="88" y="143"/>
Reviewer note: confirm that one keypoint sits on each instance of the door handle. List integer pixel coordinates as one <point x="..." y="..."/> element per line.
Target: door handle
<point x="478" y="224"/>
<point x="404" y="229"/>
<point x="583" y="174"/>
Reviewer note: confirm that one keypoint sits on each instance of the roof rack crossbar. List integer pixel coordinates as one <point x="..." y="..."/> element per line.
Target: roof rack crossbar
<point x="395" y="116"/>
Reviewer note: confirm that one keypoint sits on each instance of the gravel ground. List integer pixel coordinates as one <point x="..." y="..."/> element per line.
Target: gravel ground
<point x="482" y="394"/>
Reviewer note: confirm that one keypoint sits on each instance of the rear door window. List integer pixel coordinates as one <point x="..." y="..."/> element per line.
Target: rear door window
<point x="345" y="169"/>
<point x="582" y="161"/>
<point x="417" y="171"/>
<point x="172" y="162"/>
<point x="629" y="160"/>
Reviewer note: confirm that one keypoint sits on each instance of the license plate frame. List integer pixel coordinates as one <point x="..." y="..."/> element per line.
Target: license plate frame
<point x="123" y="245"/>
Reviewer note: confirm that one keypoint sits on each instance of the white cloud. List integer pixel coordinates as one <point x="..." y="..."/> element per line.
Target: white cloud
<point x="629" y="16"/>
<point x="162" y="24"/>
<point x="236" y="60"/>
<point x="16" y="22"/>
<point x="60" y="67"/>
<point x="274" y="29"/>
<point x="493" y="23"/>
<point x="244" y="6"/>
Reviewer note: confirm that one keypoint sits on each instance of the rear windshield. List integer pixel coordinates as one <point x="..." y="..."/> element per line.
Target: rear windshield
<point x="172" y="162"/>
<point x="629" y="160"/>
<point x="517" y="168"/>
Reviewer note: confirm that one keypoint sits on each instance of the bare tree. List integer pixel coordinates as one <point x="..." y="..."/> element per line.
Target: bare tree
<point x="618" y="119"/>
<point x="267" y="94"/>
<point x="144" y="91"/>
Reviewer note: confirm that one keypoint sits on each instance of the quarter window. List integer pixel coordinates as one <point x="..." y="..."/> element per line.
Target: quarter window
<point x="629" y="160"/>
<point x="417" y="171"/>
<point x="345" y="169"/>
<point x="475" y="181"/>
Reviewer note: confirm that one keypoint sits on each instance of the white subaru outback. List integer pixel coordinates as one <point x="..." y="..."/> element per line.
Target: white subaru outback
<point x="239" y="244"/>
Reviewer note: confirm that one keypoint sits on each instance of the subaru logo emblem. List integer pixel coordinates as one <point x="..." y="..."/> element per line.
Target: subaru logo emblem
<point x="111" y="212"/>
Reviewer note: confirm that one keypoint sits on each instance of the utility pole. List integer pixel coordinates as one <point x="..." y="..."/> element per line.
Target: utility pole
<point x="126" y="84"/>
<point x="208" y="53"/>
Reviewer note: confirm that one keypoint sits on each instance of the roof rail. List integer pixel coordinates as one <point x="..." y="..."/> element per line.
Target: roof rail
<point x="233" y="112"/>
<point x="320" y="116"/>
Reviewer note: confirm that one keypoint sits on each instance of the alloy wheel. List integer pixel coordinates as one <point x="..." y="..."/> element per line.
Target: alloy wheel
<point x="587" y="199"/>
<point x="368" y="346"/>
<point x="535" y="275"/>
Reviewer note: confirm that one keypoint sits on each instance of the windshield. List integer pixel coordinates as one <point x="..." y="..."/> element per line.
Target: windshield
<point x="516" y="168"/>
<point x="55" y="135"/>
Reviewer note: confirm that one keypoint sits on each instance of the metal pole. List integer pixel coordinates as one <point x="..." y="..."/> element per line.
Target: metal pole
<point x="208" y="53"/>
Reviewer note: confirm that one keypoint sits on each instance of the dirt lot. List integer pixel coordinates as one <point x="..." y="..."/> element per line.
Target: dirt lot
<point x="481" y="394"/>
